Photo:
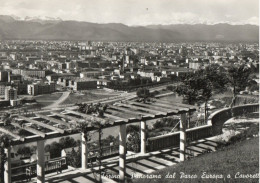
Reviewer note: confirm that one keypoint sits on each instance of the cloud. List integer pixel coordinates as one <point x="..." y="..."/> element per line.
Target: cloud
<point x="136" y="12"/>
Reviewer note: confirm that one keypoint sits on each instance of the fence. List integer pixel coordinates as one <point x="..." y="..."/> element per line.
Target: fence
<point x="173" y="139"/>
<point x="106" y="152"/>
<point x="28" y="171"/>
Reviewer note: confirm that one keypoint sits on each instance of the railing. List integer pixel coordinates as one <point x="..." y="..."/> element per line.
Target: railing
<point x="106" y="151"/>
<point x="214" y="127"/>
<point x="173" y="139"/>
<point x="28" y="171"/>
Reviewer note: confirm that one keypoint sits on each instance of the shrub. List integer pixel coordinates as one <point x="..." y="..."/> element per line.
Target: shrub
<point x="133" y="141"/>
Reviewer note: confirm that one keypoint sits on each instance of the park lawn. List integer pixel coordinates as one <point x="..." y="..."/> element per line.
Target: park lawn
<point x="87" y="96"/>
<point x="174" y="98"/>
<point x="48" y="97"/>
<point x="242" y="157"/>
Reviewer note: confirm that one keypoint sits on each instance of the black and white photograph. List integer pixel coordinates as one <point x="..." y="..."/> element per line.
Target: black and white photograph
<point x="129" y="91"/>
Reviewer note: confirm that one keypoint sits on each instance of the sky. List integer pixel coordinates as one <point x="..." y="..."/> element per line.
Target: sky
<point x="138" y="12"/>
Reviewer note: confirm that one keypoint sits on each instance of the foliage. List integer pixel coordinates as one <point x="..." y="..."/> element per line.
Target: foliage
<point x="55" y="147"/>
<point x="238" y="78"/>
<point x="198" y="87"/>
<point x="132" y="128"/>
<point x="4" y="143"/>
<point x="67" y="142"/>
<point x="171" y="87"/>
<point x="143" y="93"/>
<point x="74" y="158"/>
<point x="133" y="141"/>
<point x="85" y="128"/>
<point x="25" y="150"/>
<point x="217" y="77"/>
<point x="97" y="109"/>
<point x="138" y="81"/>
<point x="251" y="130"/>
<point x="166" y="122"/>
<point x="188" y="88"/>
<point x="7" y="119"/>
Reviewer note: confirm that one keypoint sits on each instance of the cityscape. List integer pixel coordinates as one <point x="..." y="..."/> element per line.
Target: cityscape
<point x="89" y="100"/>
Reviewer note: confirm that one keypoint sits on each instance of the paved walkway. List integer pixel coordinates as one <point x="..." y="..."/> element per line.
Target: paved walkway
<point x="56" y="103"/>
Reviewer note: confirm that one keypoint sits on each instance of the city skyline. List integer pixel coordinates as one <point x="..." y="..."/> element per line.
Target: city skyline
<point x="138" y="13"/>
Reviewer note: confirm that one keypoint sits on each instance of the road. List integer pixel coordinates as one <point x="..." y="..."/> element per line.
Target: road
<point x="64" y="96"/>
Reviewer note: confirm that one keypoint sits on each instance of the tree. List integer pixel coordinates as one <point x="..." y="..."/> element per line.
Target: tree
<point x="143" y="93"/>
<point x="238" y="78"/>
<point x="189" y="90"/>
<point x="67" y="142"/>
<point x="24" y="151"/>
<point x="74" y="158"/>
<point x="85" y="129"/>
<point x="133" y="141"/>
<point x="199" y="86"/>
<point x="98" y="108"/>
<point x="216" y="74"/>
<point x="4" y="143"/>
<point x="55" y="149"/>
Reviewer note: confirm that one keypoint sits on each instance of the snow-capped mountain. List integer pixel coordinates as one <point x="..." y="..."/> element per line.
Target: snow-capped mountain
<point x="47" y="28"/>
<point x="39" y="19"/>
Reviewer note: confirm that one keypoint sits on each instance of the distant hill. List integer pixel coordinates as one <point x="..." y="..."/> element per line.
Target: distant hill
<point x="56" y="29"/>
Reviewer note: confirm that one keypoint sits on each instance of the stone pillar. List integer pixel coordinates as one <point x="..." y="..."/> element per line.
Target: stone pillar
<point x="182" y="137"/>
<point x="7" y="172"/>
<point x="40" y="162"/>
<point x="84" y="153"/>
<point x="143" y="137"/>
<point x="122" y="152"/>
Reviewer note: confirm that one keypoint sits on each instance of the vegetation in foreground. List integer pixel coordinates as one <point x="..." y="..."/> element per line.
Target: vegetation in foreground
<point x="237" y="156"/>
<point x="238" y="160"/>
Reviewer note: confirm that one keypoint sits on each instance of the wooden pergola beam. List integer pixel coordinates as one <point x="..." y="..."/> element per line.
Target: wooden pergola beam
<point x="42" y="124"/>
<point x="143" y="109"/>
<point x="66" y="116"/>
<point x="53" y="120"/>
<point x="29" y="129"/>
<point x="86" y="116"/>
<point x="116" y="118"/>
<point x="130" y="111"/>
<point x="151" y="106"/>
<point x="171" y="107"/>
<point x="178" y="104"/>
<point x="2" y="129"/>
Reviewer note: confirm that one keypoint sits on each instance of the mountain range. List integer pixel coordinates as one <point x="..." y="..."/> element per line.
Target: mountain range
<point x="47" y="28"/>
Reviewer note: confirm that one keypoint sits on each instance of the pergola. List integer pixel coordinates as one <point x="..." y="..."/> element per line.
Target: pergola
<point x="43" y="127"/>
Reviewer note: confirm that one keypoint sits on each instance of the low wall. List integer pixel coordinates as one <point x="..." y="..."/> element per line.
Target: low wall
<point x="214" y="127"/>
<point x="218" y="118"/>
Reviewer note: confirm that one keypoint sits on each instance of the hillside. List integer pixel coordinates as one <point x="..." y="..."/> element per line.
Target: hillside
<point x="35" y="29"/>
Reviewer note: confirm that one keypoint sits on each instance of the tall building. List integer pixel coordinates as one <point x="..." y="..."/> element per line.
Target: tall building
<point x="34" y="73"/>
<point x="3" y="76"/>
<point x="10" y="93"/>
<point x="2" y="89"/>
<point x="14" y="77"/>
<point x="39" y="88"/>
